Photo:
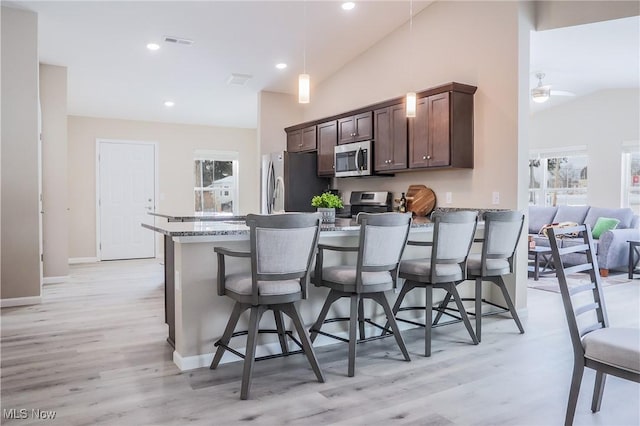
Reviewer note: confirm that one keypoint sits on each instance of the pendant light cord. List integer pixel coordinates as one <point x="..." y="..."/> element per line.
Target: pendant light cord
<point x="304" y="37"/>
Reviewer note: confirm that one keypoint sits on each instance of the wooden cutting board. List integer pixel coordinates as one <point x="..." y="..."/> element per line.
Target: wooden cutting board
<point x="420" y="200"/>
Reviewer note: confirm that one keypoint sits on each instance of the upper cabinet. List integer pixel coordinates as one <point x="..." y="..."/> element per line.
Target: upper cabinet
<point x="355" y="128"/>
<point x="390" y="146"/>
<point x="441" y="134"/>
<point x="327" y="140"/>
<point x="302" y="140"/>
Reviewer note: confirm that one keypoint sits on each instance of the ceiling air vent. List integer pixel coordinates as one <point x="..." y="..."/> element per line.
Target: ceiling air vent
<point x="178" y="40"/>
<point x="238" y="79"/>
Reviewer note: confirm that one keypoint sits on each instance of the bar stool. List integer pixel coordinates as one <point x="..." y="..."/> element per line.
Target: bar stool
<point x="501" y="235"/>
<point x="282" y="248"/>
<point x="445" y="269"/>
<point x="383" y="237"/>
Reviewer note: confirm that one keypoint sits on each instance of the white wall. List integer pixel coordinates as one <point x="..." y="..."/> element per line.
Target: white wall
<point x="176" y="145"/>
<point x="55" y="192"/>
<point x="20" y="174"/>
<point x="468" y="42"/>
<point x="602" y="121"/>
<point x="275" y="112"/>
<point x="563" y="13"/>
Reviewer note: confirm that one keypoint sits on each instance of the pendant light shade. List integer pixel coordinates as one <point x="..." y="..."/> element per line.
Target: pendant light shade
<point x="303" y="89"/>
<point x="411" y="104"/>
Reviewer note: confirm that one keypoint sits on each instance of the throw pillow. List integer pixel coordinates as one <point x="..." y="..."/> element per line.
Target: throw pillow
<point x="604" y="224"/>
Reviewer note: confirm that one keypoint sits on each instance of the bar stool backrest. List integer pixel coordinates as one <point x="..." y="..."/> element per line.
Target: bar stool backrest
<point x="502" y="232"/>
<point x="452" y="238"/>
<point x="383" y="237"/>
<point x="283" y="246"/>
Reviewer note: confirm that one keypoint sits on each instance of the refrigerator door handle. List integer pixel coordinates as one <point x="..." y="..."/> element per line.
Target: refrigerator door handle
<point x="271" y="184"/>
<point x="279" y="191"/>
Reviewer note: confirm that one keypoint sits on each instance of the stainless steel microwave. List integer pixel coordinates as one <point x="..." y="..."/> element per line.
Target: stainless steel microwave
<point x="353" y="159"/>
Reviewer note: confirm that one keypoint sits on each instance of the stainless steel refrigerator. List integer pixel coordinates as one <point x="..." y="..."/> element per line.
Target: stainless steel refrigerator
<point x="289" y="180"/>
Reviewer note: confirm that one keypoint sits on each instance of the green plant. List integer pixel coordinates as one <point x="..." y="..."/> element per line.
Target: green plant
<point x="327" y="200"/>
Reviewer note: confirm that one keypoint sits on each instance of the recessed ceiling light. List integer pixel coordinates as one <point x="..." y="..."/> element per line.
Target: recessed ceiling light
<point x="281" y="66"/>
<point x="153" y="46"/>
<point x="348" y="5"/>
<point x="169" y="104"/>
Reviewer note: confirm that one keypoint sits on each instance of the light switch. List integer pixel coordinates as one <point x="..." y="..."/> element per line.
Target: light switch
<point x="448" y="197"/>
<point x="495" y="199"/>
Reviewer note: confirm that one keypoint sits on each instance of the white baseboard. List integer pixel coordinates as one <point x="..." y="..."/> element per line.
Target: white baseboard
<point x="20" y="301"/>
<point x="55" y="280"/>
<point x="76" y="260"/>
<point x="204" y="360"/>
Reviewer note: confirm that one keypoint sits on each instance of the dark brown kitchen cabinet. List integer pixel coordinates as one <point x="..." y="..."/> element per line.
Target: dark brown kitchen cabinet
<point x="355" y="128"/>
<point x="441" y="133"/>
<point x="302" y="140"/>
<point x="390" y="145"/>
<point x="327" y="140"/>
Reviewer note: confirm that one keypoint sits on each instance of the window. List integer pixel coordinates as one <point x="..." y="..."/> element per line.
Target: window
<point x="558" y="178"/>
<point x="216" y="182"/>
<point x="631" y="176"/>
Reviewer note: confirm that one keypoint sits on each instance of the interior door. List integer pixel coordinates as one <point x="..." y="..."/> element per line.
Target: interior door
<point x="126" y="194"/>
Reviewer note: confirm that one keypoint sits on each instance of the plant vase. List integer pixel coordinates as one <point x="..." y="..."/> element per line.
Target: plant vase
<point x="328" y="214"/>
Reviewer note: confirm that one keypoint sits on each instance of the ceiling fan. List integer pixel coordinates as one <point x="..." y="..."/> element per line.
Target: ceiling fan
<point x="542" y="92"/>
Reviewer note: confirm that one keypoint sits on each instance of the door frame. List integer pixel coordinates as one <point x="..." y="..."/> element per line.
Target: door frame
<point x="156" y="191"/>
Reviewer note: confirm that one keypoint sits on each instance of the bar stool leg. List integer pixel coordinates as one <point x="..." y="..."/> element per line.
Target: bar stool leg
<point x="238" y="309"/>
<point x="382" y="300"/>
<point x="428" y="319"/>
<point x="451" y="288"/>
<point x="353" y="322"/>
<point x="442" y="307"/>
<point x="478" y="312"/>
<point x="331" y="297"/>
<point x="361" y="318"/>
<point x="250" y="354"/>
<point x="282" y="336"/>
<point x="292" y="312"/>
<point x="500" y="283"/>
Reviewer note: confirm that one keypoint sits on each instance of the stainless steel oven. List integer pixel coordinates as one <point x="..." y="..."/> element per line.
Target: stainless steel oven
<point x="353" y="159"/>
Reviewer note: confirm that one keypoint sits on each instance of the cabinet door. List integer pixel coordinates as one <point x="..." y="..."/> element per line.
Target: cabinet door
<point x="309" y="139"/>
<point x="439" y="137"/>
<point x="294" y="141"/>
<point x="327" y="140"/>
<point x="346" y="130"/>
<point x="382" y="146"/>
<point x="418" y="144"/>
<point x="363" y="124"/>
<point x="398" y="132"/>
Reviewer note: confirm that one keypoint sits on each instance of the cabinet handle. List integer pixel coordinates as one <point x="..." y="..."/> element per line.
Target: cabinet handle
<point x="424" y="157"/>
<point x="299" y="144"/>
<point x="428" y="157"/>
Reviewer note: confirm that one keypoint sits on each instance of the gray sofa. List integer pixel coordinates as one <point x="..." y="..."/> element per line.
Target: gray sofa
<point x="612" y="248"/>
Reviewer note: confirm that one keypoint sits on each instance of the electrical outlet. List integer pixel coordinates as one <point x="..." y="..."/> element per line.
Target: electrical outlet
<point x="448" y="197"/>
<point x="495" y="199"/>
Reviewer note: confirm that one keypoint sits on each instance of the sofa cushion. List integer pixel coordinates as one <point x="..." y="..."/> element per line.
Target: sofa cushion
<point x="571" y="214"/>
<point x="625" y="216"/>
<point x="540" y="216"/>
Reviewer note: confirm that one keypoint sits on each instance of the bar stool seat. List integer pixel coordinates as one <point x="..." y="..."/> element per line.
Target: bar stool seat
<point x="494" y="266"/>
<point x="243" y="284"/>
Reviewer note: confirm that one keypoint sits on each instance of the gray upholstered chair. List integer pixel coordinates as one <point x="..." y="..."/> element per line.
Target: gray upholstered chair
<point x="383" y="237"/>
<point x="614" y="351"/>
<point x="282" y="248"/>
<point x="452" y="238"/>
<point x="501" y="235"/>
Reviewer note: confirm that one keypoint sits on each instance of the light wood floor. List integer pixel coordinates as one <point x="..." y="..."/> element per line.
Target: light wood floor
<point x="95" y="352"/>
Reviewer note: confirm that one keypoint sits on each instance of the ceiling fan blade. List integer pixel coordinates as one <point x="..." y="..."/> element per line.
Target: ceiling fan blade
<point x="561" y="93"/>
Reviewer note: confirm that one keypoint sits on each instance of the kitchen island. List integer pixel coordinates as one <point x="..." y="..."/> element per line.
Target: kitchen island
<point x="196" y="315"/>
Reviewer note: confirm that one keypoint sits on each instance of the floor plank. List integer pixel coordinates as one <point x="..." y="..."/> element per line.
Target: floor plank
<point x="95" y="352"/>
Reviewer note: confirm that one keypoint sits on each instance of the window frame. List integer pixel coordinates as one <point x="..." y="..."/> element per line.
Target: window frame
<point x="544" y="191"/>
<point x="210" y="155"/>
<point x="629" y="148"/>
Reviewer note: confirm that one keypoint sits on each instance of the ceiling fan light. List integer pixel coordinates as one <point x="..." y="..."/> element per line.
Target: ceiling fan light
<point x="540" y="94"/>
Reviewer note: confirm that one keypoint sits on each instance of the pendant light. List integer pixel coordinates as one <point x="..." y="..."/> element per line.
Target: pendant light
<point x="304" y="83"/>
<point x="411" y="96"/>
